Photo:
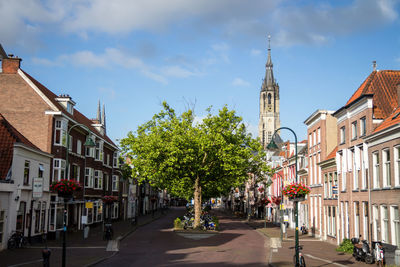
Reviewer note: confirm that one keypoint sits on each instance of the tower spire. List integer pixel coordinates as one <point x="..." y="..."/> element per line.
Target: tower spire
<point x="98" y="117"/>
<point x="103" y="118"/>
<point x="269" y="74"/>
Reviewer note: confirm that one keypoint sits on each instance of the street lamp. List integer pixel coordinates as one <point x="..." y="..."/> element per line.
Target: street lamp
<point x="88" y="143"/>
<point x="272" y="145"/>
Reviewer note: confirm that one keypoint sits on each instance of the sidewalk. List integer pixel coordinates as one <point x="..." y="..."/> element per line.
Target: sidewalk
<point x="315" y="252"/>
<point x="93" y="248"/>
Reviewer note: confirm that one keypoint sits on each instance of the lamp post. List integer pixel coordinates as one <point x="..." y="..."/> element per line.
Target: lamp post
<point x="272" y="145"/>
<point x="88" y="143"/>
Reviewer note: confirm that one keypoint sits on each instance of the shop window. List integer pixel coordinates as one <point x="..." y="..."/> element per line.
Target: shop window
<point x="395" y="226"/>
<point x="114" y="214"/>
<point x="19" y="226"/>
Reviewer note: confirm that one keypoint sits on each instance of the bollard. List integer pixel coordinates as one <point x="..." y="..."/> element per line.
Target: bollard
<point x="46" y="257"/>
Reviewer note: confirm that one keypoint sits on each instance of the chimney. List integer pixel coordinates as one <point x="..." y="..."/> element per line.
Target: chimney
<point x="374" y="65"/>
<point x="11" y="64"/>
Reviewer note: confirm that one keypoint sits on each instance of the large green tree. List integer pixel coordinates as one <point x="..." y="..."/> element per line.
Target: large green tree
<point x="191" y="159"/>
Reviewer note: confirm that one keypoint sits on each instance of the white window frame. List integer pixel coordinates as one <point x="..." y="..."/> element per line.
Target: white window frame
<point x="384" y="224"/>
<point x="115" y="159"/>
<point x="356" y="207"/>
<point x="59" y="169"/>
<point x="78" y="173"/>
<point x="98" y="179"/>
<point x="106" y="181"/>
<point x="319" y="135"/>
<point x="363" y="126"/>
<point x="355" y="171"/>
<point x="70" y="142"/>
<point x="27" y="172"/>
<point x="78" y="147"/>
<point x="396" y="166"/>
<point x="375" y="166"/>
<point x="395" y="226"/>
<point x="114" y="211"/>
<point x="89" y="177"/>
<point x="98" y="155"/>
<point x="314" y="138"/>
<point x="386" y="171"/>
<point x="310" y="139"/>
<point x="365" y="219"/>
<point x="354" y="130"/>
<point x="375" y="222"/>
<point x="115" y="183"/>
<point x="60" y="127"/>
<point x="342" y="135"/>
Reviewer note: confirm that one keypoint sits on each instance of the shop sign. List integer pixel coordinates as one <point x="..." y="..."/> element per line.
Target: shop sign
<point x="89" y="205"/>
<point x="37" y="187"/>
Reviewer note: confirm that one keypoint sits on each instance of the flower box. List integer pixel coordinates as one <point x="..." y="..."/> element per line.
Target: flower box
<point x="65" y="188"/>
<point x="109" y="199"/>
<point x="296" y="191"/>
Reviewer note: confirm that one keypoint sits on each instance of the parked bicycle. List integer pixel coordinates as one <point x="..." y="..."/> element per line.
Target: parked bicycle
<point x="302" y="262"/>
<point x="17" y="240"/>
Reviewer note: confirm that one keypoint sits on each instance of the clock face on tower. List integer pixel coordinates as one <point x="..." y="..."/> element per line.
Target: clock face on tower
<point x="269" y="108"/>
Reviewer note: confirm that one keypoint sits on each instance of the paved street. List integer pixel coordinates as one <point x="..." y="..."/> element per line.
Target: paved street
<point x="156" y="244"/>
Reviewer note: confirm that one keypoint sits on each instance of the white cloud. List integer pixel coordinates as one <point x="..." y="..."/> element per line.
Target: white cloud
<point x="255" y="52"/>
<point x="240" y="82"/>
<point x="178" y="71"/>
<point x="253" y="129"/>
<point x="108" y="92"/>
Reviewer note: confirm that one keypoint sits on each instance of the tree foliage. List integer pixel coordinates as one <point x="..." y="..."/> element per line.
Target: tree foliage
<point x="194" y="159"/>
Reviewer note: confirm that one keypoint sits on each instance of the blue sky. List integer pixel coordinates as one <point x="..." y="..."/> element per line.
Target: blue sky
<point x="133" y="54"/>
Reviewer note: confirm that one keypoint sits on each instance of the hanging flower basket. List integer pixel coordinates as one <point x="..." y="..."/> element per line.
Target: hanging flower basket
<point x="296" y="192"/>
<point x="109" y="199"/>
<point x="65" y="188"/>
<point x="276" y="200"/>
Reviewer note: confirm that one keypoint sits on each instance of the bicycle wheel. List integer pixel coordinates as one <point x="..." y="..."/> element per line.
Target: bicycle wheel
<point x="11" y="244"/>
<point x="24" y="242"/>
<point x="302" y="261"/>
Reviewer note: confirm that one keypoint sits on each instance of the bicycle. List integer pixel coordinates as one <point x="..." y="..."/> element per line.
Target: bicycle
<point x="17" y="240"/>
<point x="302" y="262"/>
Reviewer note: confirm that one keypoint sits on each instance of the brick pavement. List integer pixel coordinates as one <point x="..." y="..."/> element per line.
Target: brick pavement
<point x="93" y="248"/>
<point x="315" y="252"/>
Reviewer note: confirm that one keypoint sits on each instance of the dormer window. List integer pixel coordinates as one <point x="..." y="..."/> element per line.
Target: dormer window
<point x="67" y="103"/>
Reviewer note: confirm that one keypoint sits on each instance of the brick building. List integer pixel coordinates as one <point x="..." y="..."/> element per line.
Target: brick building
<point x="46" y="119"/>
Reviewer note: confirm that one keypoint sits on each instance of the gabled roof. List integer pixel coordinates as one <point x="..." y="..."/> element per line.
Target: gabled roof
<point x="77" y="116"/>
<point x="393" y="119"/>
<point x="8" y="137"/>
<point x="383" y="86"/>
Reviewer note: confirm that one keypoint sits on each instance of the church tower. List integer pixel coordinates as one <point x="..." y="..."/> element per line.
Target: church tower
<point x="269" y="119"/>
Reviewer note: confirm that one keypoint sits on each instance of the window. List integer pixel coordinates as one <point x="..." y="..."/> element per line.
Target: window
<point x="386" y="168"/>
<point x="269" y="136"/>
<point x="2" y="221"/>
<point x="99" y="151"/>
<point x="342" y="135"/>
<point x="330" y="185"/>
<point x="60" y="133"/>
<point x="310" y="140"/>
<point x="319" y="169"/>
<point x="335" y="185"/>
<point x="115" y="183"/>
<point x="40" y="171"/>
<point x="375" y="162"/>
<point x="395" y="226"/>
<point x="108" y="159"/>
<point x="106" y="181"/>
<point x="88" y="177"/>
<point x="326" y="190"/>
<point x="364" y="182"/>
<point x="385" y="224"/>
<point x="397" y="166"/>
<point x="356" y="218"/>
<point x="79" y="147"/>
<point x="70" y="142"/>
<point x="76" y="170"/>
<point x="319" y="135"/>
<point x="98" y="179"/>
<point x="114" y="213"/>
<point x="355" y="170"/>
<point x="354" y="130"/>
<point x="375" y="220"/>
<point x="19" y="226"/>
<point x="26" y="172"/>
<point x="314" y="139"/>
<point x="115" y="159"/>
<point x="331" y="221"/>
<point x="363" y="126"/>
<point x="365" y="220"/>
<point x="58" y="169"/>
<point x="269" y="99"/>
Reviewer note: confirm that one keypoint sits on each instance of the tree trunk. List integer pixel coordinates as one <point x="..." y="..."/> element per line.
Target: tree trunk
<point x="197" y="203"/>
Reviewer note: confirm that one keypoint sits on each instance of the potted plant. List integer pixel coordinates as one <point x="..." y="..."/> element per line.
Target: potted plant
<point x="296" y="191"/>
<point x="109" y="199"/>
<point x="65" y="188"/>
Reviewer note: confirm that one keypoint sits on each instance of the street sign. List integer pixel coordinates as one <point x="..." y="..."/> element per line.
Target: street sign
<point x="37" y="187"/>
<point x="89" y="205"/>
